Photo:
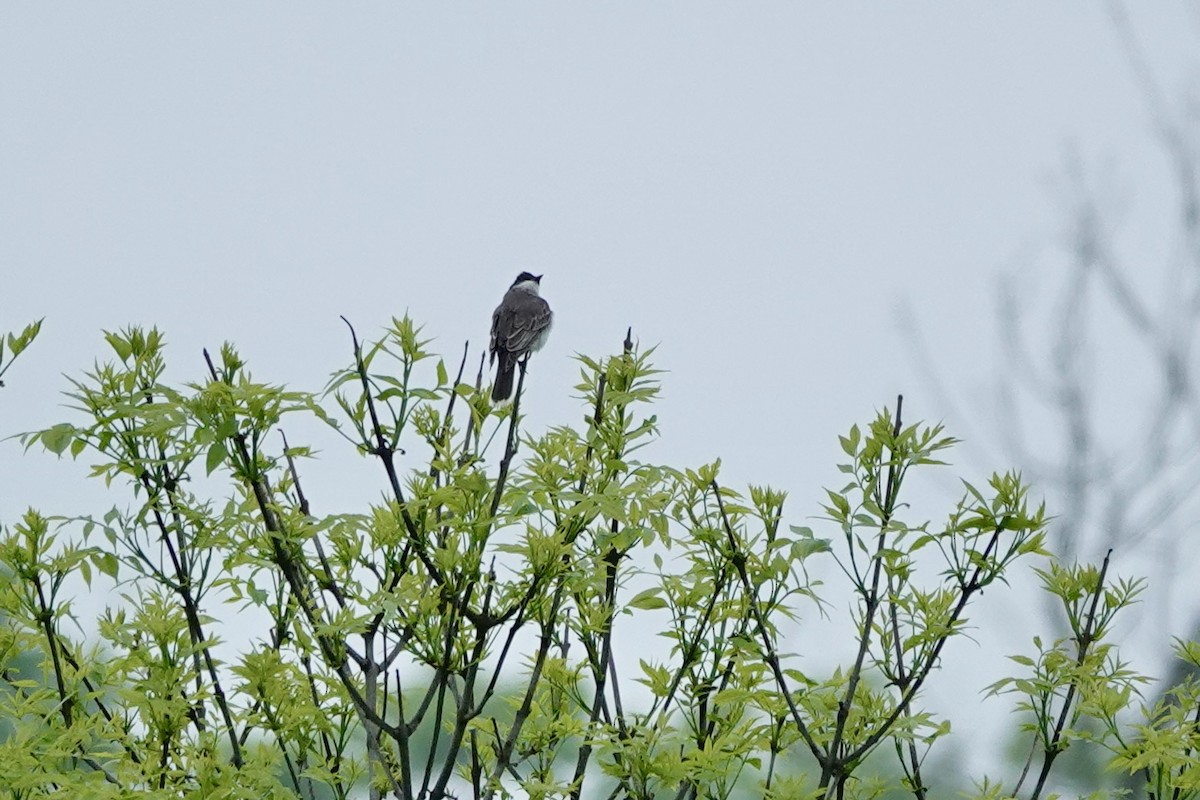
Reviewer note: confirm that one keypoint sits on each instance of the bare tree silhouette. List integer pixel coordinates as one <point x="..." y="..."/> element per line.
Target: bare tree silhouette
<point x="1098" y="390"/>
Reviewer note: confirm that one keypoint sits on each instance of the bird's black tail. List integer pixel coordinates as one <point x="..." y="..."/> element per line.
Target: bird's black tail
<point x="503" y="387"/>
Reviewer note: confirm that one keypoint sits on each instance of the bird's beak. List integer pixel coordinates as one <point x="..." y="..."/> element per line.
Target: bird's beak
<point x="538" y="278"/>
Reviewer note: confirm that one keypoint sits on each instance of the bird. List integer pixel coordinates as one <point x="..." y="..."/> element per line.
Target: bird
<point x="520" y="325"/>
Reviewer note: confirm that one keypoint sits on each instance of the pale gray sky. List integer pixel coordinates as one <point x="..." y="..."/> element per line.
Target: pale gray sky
<point x="754" y="187"/>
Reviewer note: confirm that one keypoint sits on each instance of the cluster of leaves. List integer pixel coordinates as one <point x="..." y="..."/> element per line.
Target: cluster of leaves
<point x="459" y="636"/>
<point x="16" y="343"/>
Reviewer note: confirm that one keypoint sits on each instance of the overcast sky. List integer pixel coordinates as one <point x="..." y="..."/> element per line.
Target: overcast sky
<point x="755" y="188"/>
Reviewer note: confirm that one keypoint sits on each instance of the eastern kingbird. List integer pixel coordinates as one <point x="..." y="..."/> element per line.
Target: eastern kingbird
<point x="520" y="325"/>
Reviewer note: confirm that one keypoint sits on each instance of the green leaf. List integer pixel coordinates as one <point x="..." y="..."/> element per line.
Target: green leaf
<point x="58" y="438"/>
<point x="119" y="344"/>
<point x="803" y="548"/>
<point x="107" y="563"/>
<point x="17" y="344"/>
<point x="850" y="443"/>
<point x="259" y="596"/>
<point x="647" y="600"/>
<point x="216" y="456"/>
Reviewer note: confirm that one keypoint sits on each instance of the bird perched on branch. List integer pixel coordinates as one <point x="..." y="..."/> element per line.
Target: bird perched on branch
<point x="520" y="325"/>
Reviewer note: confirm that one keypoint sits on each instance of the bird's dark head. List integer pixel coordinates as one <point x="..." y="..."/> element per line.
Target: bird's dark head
<point x="528" y="277"/>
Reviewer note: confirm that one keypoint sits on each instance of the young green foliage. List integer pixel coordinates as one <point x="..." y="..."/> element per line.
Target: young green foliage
<point x="15" y="345"/>
<point x="485" y="628"/>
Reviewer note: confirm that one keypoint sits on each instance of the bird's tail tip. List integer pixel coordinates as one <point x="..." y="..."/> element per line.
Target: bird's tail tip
<point x="503" y="387"/>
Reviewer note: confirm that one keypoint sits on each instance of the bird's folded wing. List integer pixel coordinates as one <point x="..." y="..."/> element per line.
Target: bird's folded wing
<point x="529" y="319"/>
